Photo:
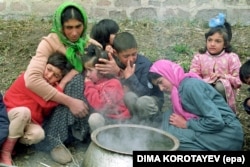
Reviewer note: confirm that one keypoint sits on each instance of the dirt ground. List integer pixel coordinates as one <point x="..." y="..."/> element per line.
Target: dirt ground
<point x="175" y="41"/>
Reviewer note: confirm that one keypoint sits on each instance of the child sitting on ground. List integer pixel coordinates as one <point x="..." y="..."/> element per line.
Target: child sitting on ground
<point x="217" y="64"/>
<point x="103" y="92"/>
<point x="26" y="110"/>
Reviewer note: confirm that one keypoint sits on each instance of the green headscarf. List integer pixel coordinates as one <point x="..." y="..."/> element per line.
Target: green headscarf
<point x="74" y="49"/>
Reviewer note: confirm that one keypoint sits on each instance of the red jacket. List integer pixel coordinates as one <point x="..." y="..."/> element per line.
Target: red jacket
<point x="20" y="96"/>
<point x="106" y="97"/>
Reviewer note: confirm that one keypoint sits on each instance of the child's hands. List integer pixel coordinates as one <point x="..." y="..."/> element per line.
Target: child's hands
<point x="109" y="49"/>
<point x="129" y="70"/>
<point x="214" y="77"/>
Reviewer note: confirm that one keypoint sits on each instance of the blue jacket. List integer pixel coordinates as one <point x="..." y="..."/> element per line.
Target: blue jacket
<point x="4" y="121"/>
<point x="138" y="82"/>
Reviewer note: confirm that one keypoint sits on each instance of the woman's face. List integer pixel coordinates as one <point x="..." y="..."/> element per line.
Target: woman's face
<point x="73" y="29"/>
<point x="164" y="84"/>
<point x="215" y="43"/>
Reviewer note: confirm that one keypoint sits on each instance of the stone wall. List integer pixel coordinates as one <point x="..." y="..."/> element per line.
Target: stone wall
<point x="237" y="11"/>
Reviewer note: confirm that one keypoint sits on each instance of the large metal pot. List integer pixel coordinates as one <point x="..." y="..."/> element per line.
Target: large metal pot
<point x="113" y="145"/>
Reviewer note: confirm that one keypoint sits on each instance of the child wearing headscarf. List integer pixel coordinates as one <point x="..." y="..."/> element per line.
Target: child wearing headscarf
<point x="200" y="117"/>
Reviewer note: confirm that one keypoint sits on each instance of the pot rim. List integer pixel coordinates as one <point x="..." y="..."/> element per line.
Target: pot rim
<point x="98" y="130"/>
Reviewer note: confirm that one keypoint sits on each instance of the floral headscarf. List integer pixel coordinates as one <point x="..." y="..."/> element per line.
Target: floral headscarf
<point x="74" y="49"/>
<point x="174" y="74"/>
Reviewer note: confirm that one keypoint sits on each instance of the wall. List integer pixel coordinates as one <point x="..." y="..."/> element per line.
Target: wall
<point x="237" y="11"/>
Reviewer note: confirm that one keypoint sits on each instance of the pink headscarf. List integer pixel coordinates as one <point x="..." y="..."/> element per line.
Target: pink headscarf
<point x="174" y="73"/>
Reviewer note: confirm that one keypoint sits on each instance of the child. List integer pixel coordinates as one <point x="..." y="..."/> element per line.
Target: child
<point x="200" y="118"/>
<point x="103" y="92"/>
<point x="143" y="99"/>
<point x="104" y="32"/>
<point x="4" y="121"/>
<point x="217" y="64"/>
<point x="245" y="78"/>
<point x="26" y="110"/>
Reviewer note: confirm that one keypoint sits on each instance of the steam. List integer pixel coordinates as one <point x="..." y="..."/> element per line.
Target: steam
<point x="126" y="139"/>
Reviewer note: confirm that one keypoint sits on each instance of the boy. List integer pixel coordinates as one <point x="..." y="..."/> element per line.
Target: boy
<point x="26" y="110"/>
<point x="143" y="99"/>
<point x="245" y="78"/>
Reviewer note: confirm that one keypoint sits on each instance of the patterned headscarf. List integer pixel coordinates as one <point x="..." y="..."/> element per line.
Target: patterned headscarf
<point x="74" y="49"/>
<point x="174" y="74"/>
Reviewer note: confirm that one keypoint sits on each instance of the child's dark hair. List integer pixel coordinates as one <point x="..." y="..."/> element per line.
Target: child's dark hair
<point x="102" y="30"/>
<point x="245" y="71"/>
<point x="71" y="13"/>
<point x="124" y="41"/>
<point x="60" y="61"/>
<point x="153" y="76"/>
<point x="226" y="32"/>
<point x="94" y="52"/>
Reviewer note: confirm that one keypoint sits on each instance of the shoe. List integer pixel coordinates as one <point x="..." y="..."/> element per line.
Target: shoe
<point x="6" y="151"/>
<point x="61" y="154"/>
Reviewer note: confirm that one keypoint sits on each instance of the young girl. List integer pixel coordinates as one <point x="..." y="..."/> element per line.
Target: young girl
<point x="26" y="110"/>
<point x="104" y="32"/>
<point x="103" y="92"/>
<point x="200" y="118"/>
<point x="217" y="64"/>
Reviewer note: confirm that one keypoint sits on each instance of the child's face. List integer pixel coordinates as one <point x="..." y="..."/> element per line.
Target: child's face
<point x="92" y="74"/>
<point x="164" y="84"/>
<point x="128" y="56"/>
<point x="215" y="43"/>
<point x="52" y="74"/>
<point x="111" y="39"/>
<point x="247" y="81"/>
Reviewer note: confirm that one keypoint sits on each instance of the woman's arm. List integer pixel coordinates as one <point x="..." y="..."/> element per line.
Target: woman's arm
<point x="67" y="78"/>
<point x="35" y="82"/>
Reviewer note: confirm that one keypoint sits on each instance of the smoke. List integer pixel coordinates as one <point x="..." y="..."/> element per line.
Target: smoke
<point x="127" y="138"/>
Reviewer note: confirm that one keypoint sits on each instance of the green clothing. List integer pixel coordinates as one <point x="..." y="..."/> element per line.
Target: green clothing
<point x="74" y="50"/>
<point x="216" y="128"/>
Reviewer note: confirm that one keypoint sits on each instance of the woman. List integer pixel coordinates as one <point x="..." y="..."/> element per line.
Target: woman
<point x="201" y="118"/>
<point x="68" y="36"/>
